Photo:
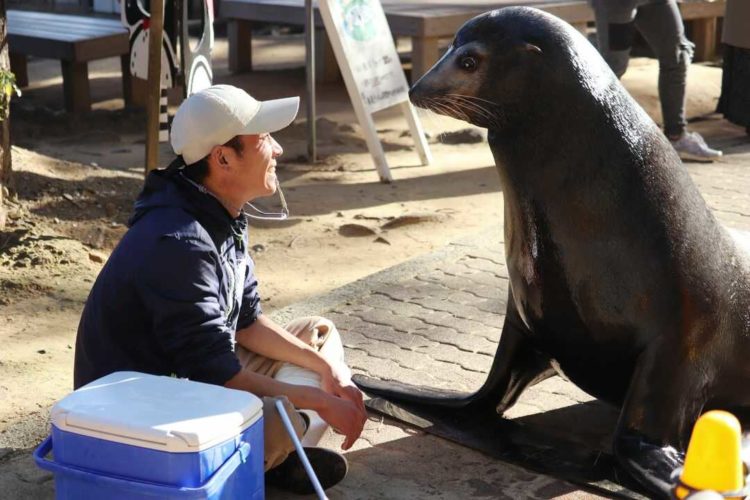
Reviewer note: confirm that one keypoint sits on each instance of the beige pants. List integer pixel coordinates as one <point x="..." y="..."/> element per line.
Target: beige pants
<point x="322" y="335"/>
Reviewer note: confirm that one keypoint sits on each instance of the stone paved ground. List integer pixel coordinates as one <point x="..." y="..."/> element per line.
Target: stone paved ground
<point x="436" y="321"/>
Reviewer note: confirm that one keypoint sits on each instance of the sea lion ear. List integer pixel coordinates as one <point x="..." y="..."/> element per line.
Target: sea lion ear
<point x="532" y="48"/>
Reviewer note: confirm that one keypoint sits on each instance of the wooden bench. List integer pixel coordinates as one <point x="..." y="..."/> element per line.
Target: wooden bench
<point x="428" y="21"/>
<point x="74" y="40"/>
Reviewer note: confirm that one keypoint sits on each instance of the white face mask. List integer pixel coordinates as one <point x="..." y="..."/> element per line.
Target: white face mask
<point x="261" y="215"/>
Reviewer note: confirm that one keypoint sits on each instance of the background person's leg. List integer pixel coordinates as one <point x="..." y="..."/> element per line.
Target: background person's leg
<point x="614" y="32"/>
<point x="660" y="23"/>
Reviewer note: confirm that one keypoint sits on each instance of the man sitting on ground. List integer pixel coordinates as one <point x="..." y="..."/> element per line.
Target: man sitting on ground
<point x="178" y="296"/>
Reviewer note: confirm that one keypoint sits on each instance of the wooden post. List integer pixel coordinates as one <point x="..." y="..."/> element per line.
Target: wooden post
<point x="127" y="80"/>
<point x="326" y="67"/>
<point x="424" y="53"/>
<point x="239" y="36"/>
<point x="76" y="86"/>
<point x="5" y="157"/>
<point x="310" y="37"/>
<point x="138" y="92"/>
<point x="154" y="84"/>
<point x="704" y="37"/>
<point x="19" y="67"/>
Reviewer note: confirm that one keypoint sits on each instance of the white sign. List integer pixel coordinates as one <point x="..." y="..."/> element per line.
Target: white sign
<point x="371" y="53"/>
<point x="366" y="54"/>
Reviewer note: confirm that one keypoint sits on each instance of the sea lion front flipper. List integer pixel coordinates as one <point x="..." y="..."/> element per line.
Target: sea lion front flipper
<point x="666" y="396"/>
<point x="650" y="464"/>
<point x="517" y="365"/>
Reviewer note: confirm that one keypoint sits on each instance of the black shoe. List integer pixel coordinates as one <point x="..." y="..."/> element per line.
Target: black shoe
<point x="329" y="466"/>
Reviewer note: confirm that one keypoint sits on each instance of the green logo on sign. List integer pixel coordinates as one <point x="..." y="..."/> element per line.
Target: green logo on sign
<point x="359" y="21"/>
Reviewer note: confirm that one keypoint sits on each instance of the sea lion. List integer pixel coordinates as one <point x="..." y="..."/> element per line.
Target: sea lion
<point x="620" y="276"/>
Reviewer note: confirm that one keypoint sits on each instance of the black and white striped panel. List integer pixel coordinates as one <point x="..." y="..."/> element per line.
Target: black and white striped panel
<point x="163" y="117"/>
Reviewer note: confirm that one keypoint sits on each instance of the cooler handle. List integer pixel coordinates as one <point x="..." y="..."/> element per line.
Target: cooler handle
<point x="227" y="468"/>
<point x="41" y="452"/>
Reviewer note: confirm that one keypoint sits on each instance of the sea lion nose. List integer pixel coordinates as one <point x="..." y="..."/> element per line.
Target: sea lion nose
<point x="419" y="90"/>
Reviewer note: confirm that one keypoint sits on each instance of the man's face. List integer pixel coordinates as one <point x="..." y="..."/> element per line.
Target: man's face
<point x="256" y="172"/>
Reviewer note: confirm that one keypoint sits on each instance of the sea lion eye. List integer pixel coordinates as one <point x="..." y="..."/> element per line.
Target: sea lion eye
<point x="468" y="63"/>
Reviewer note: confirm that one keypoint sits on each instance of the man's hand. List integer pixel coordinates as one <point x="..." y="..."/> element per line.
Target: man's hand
<point x="339" y="384"/>
<point x="349" y="399"/>
<point x="344" y="416"/>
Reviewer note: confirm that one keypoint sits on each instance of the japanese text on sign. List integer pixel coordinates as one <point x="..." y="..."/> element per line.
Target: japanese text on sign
<point x="370" y="52"/>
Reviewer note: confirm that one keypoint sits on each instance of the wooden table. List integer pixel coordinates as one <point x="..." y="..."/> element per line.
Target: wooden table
<point x="74" y="40"/>
<point x="427" y="21"/>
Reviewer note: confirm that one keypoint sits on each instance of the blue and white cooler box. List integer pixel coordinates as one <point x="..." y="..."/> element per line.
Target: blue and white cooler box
<point x="130" y="435"/>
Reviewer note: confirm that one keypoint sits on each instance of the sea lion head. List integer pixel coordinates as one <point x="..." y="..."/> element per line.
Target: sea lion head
<point x="510" y="63"/>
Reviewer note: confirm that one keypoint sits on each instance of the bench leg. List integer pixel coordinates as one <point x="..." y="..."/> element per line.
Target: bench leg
<point x="424" y="53"/>
<point x="139" y="89"/>
<point x="19" y="68"/>
<point x="326" y="67"/>
<point x="239" y="36"/>
<point x="76" y="86"/>
<point x="127" y="80"/>
<point x="704" y="37"/>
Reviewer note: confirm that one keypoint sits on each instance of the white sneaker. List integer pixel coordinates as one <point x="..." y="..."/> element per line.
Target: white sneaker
<point x="691" y="146"/>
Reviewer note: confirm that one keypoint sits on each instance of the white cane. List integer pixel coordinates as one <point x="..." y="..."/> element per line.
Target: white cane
<point x="300" y="451"/>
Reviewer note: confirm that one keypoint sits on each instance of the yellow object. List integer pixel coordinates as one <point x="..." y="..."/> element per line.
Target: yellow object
<point x="713" y="461"/>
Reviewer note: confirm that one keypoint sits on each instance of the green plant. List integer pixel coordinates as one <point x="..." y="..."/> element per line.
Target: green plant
<point x="7" y="88"/>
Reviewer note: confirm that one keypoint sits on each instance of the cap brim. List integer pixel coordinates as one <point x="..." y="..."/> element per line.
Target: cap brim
<point x="273" y="116"/>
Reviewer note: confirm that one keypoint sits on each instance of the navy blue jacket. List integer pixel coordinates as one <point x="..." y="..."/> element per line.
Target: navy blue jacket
<point x="173" y="292"/>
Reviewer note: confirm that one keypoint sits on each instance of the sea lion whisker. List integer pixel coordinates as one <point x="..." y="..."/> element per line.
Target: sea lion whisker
<point x="428" y="115"/>
<point x="475" y="108"/>
<point x="448" y="111"/>
<point x="493" y="115"/>
<point x="422" y="104"/>
<point x="493" y="110"/>
<point x="475" y="98"/>
<point x="432" y="104"/>
<point x="442" y="107"/>
<point x="456" y="110"/>
<point x="469" y="105"/>
<point x="434" y="107"/>
<point x="466" y="110"/>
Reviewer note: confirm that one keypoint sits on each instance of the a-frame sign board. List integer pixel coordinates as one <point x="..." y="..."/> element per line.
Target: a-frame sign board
<point x="366" y="54"/>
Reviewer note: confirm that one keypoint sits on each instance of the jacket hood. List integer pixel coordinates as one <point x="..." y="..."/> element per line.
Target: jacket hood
<point x="170" y="188"/>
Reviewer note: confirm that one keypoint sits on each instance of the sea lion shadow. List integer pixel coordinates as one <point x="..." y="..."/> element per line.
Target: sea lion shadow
<point x="572" y="443"/>
<point x="589" y="424"/>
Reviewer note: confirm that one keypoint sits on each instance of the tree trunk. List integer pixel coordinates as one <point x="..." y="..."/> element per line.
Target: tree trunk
<point x="5" y="159"/>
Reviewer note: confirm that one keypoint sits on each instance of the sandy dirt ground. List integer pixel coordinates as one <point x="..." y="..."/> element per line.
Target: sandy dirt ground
<point x="76" y="178"/>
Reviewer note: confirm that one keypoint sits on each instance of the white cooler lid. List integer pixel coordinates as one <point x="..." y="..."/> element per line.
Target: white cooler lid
<point x="161" y="413"/>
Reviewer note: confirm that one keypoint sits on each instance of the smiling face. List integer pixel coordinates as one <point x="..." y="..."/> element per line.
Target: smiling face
<point x="256" y="166"/>
<point x="239" y="175"/>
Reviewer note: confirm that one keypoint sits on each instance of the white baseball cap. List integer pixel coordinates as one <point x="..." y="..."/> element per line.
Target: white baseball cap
<point x="214" y="115"/>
